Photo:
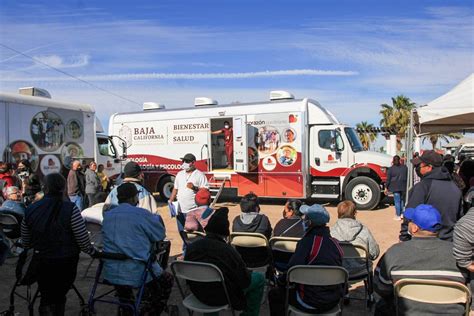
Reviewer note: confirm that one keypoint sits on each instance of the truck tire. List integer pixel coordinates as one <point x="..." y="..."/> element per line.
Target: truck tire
<point x="165" y="187"/>
<point x="364" y="192"/>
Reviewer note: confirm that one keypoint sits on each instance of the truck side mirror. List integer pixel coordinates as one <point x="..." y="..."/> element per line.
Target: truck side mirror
<point x="124" y="150"/>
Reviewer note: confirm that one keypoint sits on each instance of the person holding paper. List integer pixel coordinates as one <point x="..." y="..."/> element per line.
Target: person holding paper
<point x="186" y="184"/>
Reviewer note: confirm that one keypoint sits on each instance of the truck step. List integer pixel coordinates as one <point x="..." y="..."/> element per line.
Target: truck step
<point x="324" y="196"/>
<point x="322" y="182"/>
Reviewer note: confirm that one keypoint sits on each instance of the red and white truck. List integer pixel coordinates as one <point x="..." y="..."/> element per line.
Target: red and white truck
<point x="283" y="148"/>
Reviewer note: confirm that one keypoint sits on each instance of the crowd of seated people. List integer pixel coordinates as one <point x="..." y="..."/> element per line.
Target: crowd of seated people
<point x="436" y="234"/>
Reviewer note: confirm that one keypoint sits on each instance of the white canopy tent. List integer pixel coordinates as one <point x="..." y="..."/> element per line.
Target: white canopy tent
<point x="451" y="112"/>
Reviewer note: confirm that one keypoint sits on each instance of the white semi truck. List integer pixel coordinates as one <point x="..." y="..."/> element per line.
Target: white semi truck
<point x="52" y="133"/>
<point x="282" y="148"/>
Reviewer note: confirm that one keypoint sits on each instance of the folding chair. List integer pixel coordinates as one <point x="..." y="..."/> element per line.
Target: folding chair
<point x="285" y="245"/>
<point x="10" y="225"/>
<point x="189" y="237"/>
<point x="158" y="251"/>
<point x="317" y="276"/>
<point x="359" y="252"/>
<point x="199" y="272"/>
<point x="241" y="240"/>
<point x="95" y="235"/>
<point x="30" y="296"/>
<point x="432" y="292"/>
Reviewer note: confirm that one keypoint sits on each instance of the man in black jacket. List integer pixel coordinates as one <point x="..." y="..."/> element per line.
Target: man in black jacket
<point x="436" y="188"/>
<point x="245" y="288"/>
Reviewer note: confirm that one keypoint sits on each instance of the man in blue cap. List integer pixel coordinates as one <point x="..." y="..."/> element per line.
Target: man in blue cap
<point x="423" y="257"/>
<point x="317" y="247"/>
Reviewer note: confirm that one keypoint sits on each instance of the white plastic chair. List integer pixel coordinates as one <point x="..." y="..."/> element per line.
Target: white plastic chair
<point x="199" y="272"/>
<point x="316" y="276"/>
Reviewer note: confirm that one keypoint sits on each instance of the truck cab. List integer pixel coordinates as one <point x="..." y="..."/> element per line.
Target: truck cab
<point x="341" y="168"/>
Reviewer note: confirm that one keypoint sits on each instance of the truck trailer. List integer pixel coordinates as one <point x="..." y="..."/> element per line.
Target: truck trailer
<point x="51" y="134"/>
<point x="282" y="148"/>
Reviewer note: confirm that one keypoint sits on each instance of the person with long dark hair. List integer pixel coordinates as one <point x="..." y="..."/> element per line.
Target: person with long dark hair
<point x="30" y="183"/>
<point x="54" y="229"/>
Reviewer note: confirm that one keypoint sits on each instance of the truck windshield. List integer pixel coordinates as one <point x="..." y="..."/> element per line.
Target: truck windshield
<point x="354" y="140"/>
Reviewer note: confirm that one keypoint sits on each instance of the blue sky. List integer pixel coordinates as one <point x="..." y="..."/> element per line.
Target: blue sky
<point x="349" y="55"/>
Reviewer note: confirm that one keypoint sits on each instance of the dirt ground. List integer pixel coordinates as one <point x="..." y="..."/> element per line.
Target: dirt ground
<point x="380" y="222"/>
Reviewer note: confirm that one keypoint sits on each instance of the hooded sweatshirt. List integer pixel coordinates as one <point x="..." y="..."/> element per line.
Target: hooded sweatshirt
<point x="351" y="230"/>
<point x="253" y="223"/>
<point x="439" y="190"/>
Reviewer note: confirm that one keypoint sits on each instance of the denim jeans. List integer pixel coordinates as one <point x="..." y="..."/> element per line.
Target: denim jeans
<point x="78" y="200"/>
<point x="399" y="200"/>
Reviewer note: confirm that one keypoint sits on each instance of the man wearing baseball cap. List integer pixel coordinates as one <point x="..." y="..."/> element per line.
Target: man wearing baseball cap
<point x="131" y="230"/>
<point x="186" y="184"/>
<point x="425" y="257"/>
<point x="317" y="247"/>
<point x="132" y="173"/>
<point x="436" y="188"/>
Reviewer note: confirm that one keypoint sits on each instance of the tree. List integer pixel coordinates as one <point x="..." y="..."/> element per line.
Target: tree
<point x="366" y="137"/>
<point x="434" y="138"/>
<point x="397" y="116"/>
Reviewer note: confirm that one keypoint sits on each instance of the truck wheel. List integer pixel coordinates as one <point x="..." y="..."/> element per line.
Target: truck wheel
<point x="364" y="192"/>
<point x="165" y="187"/>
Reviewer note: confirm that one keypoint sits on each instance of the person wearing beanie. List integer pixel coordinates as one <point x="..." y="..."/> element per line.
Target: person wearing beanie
<point x="317" y="247"/>
<point x="424" y="256"/>
<point x="132" y="231"/>
<point x="245" y="288"/>
<point x="197" y="218"/>
<point x="186" y="184"/>
<point x="133" y="174"/>
<point x="251" y="221"/>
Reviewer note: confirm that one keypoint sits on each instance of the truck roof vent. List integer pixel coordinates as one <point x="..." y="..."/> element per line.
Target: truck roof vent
<point x="204" y="101"/>
<point x="153" y="106"/>
<point x="35" y="92"/>
<point x="281" y="95"/>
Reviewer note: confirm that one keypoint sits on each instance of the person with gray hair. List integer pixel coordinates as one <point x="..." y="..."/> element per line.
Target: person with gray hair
<point x="75" y="185"/>
<point x="93" y="183"/>
<point x="53" y="227"/>
<point x="13" y="205"/>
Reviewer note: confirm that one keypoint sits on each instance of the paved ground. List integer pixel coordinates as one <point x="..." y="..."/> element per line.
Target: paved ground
<point x="380" y="222"/>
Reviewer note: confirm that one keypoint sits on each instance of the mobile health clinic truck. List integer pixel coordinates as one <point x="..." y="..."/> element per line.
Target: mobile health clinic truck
<point x="282" y="148"/>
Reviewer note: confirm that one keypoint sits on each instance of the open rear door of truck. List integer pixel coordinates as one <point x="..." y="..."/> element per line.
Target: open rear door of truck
<point x="241" y="160"/>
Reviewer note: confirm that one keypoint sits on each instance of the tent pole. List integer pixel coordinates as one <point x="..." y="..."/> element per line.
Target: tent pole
<point x="409" y="151"/>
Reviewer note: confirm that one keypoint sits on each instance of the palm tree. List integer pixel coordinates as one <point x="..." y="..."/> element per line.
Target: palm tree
<point x="434" y="138"/>
<point x="397" y="116"/>
<point x="366" y="137"/>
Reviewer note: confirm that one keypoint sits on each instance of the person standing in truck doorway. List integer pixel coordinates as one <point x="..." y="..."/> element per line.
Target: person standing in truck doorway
<point x="229" y="143"/>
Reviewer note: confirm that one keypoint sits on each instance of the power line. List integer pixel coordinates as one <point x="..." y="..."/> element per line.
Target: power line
<point x="69" y="75"/>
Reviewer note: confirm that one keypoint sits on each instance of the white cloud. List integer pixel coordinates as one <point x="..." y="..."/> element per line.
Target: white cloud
<point x="189" y="76"/>
<point x="57" y="61"/>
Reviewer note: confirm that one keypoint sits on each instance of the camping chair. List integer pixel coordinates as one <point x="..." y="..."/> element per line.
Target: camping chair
<point x="30" y="296"/>
<point x="282" y="245"/>
<point x="240" y="240"/>
<point x="199" y="272"/>
<point x="95" y="235"/>
<point x="10" y="225"/>
<point x="158" y="251"/>
<point x="432" y="292"/>
<point x="317" y="276"/>
<point x="190" y="237"/>
<point x="358" y="252"/>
